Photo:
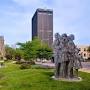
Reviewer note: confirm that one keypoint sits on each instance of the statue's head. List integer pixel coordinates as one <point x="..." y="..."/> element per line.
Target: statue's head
<point x="64" y="37"/>
<point x="71" y="37"/>
<point x="57" y="35"/>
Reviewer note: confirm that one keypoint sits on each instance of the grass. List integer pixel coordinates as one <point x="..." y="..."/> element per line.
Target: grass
<point x="12" y="78"/>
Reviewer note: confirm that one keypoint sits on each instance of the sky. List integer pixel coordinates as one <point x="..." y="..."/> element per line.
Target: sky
<point x="70" y="16"/>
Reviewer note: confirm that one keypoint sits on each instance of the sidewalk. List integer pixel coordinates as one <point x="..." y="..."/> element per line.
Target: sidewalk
<point x="86" y="66"/>
<point x="85" y="70"/>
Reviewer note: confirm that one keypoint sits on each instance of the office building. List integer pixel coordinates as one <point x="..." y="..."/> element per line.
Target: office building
<point x="42" y="25"/>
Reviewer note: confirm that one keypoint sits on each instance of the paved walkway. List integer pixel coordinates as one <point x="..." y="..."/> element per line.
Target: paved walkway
<point x="85" y="70"/>
<point x="86" y="66"/>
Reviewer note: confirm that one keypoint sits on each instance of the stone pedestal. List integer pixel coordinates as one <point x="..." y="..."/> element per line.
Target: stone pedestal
<point x="68" y="79"/>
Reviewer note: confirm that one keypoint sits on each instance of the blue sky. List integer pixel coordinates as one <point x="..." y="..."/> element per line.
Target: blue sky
<point x="70" y="16"/>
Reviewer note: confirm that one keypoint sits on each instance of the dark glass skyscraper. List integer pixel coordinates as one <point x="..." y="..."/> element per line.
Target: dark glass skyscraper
<point x="42" y="25"/>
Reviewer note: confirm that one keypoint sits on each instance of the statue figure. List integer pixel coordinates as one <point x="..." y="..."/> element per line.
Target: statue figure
<point x="77" y="61"/>
<point x="71" y="55"/>
<point x="66" y="57"/>
<point x="56" y="49"/>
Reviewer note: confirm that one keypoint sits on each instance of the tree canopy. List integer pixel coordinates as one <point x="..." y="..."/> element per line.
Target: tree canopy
<point x="88" y="49"/>
<point x="29" y="50"/>
<point x="35" y="49"/>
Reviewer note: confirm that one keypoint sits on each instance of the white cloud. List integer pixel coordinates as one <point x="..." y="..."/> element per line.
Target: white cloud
<point x="67" y="17"/>
<point x="28" y="2"/>
<point x="25" y="2"/>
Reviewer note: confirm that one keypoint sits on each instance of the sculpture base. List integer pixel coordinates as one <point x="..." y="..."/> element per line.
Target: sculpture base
<point x="68" y="79"/>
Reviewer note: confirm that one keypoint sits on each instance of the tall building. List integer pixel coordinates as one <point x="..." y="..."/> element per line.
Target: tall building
<point x="42" y="25"/>
<point x="2" y="48"/>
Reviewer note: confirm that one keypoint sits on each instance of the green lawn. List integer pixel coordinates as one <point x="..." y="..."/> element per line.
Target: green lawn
<point x="12" y="78"/>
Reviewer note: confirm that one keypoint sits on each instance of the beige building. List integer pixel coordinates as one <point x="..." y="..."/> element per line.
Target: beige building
<point x="83" y="51"/>
<point x="2" y="48"/>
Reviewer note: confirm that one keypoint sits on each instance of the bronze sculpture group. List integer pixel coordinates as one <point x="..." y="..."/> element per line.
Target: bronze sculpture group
<point x="66" y="56"/>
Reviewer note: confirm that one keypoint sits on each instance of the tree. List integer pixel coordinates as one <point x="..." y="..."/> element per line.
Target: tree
<point x="9" y="52"/>
<point x="35" y="49"/>
<point x="18" y="54"/>
<point x="88" y="49"/>
<point x="29" y="49"/>
<point x="44" y="52"/>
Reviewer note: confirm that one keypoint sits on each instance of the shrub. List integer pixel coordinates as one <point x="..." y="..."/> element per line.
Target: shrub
<point x="27" y="62"/>
<point x="25" y="66"/>
<point x="18" y="62"/>
<point x="41" y="67"/>
<point x="31" y="62"/>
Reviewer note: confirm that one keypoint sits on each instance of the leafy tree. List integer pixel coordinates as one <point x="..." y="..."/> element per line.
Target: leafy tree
<point x="35" y="49"/>
<point x="18" y="54"/>
<point x="44" y="52"/>
<point x="88" y="49"/>
<point x="29" y="49"/>
<point x="9" y="52"/>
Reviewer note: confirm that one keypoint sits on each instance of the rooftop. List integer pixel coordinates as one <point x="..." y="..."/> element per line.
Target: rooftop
<point x="40" y="9"/>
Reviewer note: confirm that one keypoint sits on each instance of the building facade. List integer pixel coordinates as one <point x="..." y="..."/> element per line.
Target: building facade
<point x="2" y="47"/>
<point x="84" y="51"/>
<point x="42" y="25"/>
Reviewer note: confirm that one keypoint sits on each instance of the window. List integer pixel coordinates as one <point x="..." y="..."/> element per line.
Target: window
<point x="84" y="55"/>
<point x="89" y="55"/>
<point x="84" y="49"/>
